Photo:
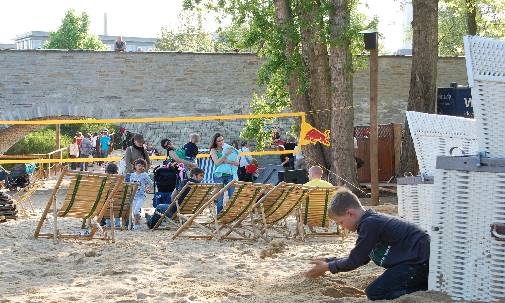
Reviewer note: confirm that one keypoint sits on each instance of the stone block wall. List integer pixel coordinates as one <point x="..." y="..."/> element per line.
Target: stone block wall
<point x="163" y="84"/>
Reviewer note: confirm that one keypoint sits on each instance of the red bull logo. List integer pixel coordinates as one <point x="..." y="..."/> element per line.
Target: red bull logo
<point x="311" y="135"/>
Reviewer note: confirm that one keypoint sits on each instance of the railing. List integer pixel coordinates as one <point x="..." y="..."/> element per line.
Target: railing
<point x="56" y="154"/>
<point x="43" y="171"/>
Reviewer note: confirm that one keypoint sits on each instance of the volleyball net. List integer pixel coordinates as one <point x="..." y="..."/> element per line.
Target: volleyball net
<point x="178" y="129"/>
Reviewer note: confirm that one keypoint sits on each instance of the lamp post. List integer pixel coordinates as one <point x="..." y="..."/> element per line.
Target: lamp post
<point x="371" y="44"/>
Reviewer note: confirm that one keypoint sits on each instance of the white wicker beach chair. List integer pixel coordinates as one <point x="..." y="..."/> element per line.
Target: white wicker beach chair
<point x="433" y="136"/>
<point x="467" y="253"/>
<point x="485" y="65"/>
<point x="436" y="135"/>
<point x="467" y="258"/>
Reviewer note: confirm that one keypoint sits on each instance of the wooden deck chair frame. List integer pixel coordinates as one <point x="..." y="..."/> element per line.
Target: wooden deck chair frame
<point x="279" y="203"/>
<point x="198" y="195"/>
<point x="23" y="198"/>
<point x="123" y="203"/>
<point x="314" y="211"/>
<point x="239" y="208"/>
<point x="96" y="206"/>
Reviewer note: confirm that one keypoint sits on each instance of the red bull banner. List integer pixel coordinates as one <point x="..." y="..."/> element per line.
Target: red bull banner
<point x="311" y="135"/>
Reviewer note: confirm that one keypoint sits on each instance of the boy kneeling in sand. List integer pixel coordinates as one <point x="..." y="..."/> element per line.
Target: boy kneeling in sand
<point x="400" y="247"/>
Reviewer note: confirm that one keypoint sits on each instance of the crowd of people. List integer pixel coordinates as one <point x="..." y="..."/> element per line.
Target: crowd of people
<point x="400" y="247"/>
<point x="96" y="145"/>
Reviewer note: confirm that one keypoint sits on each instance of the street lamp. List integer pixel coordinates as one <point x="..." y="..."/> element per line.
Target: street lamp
<point x="371" y="44"/>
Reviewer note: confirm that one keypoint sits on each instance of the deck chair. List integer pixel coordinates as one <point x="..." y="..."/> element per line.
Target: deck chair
<point x="314" y="212"/>
<point x="86" y="197"/>
<point x="276" y="205"/>
<point x="238" y="208"/>
<point x="198" y="194"/>
<point x="23" y="198"/>
<point x="122" y="201"/>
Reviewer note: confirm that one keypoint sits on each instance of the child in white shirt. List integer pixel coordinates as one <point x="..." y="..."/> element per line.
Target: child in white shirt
<point x="144" y="182"/>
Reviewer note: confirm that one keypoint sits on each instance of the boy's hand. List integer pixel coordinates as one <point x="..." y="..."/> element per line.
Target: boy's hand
<point x="320" y="268"/>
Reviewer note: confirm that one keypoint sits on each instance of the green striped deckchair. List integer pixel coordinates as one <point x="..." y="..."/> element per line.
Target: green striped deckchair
<point x="86" y="199"/>
<point x="197" y="195"/>
<point x="238" y="208"/>
<point x="314" y="212"/>
<point x="279" y="203"/>
<point x="122" y="203"/>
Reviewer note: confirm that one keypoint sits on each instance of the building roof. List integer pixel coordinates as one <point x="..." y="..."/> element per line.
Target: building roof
<point x="40" y="34"/>
<point x="105" y="39"/>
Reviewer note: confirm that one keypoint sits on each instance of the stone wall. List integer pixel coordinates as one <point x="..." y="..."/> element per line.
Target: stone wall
<point x="157" y="84"/>
<point x="394" y="83"/>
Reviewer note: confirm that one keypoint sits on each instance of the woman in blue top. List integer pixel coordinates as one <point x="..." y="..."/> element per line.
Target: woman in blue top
<point x="226" y="163"/>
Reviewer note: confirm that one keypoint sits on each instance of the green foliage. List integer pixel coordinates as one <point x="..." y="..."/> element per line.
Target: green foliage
<point x="38" y="142"/>
<point x="452" y="23"/>
<point x="90" y="128"/>
<point x="189" y="37"/>
<point x="74" y="34"/>
<point x="43" y="141"/>
<point x="254" y="21"/>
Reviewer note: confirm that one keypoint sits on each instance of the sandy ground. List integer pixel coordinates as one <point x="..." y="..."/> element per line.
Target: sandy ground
<point x="146" y="266"/>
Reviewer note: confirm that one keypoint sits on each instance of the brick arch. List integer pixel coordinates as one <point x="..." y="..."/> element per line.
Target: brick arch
<point x="10" y="135"/>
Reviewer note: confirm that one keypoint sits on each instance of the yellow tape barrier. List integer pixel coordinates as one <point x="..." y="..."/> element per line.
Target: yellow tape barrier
<point x="114" y="159"/>
<point x="144" y="120"/>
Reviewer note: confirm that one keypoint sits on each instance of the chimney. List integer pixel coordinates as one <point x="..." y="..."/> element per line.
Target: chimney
<point x="105" y="24"/>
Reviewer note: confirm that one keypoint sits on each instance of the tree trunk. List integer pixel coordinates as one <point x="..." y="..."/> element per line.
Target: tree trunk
<point x="315" y="55"/>
<point x="471" y="17"/>
<point x="299" y="100"/>
<point x="342" y="130"/>
<point x="423" y="78"/>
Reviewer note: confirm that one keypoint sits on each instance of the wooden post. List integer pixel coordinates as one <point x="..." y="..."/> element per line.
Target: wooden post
<point x="58" y="138"/>
<point x="374" y="128"/>
<point x="58" y="142"/>
<point x="397" y="137"/>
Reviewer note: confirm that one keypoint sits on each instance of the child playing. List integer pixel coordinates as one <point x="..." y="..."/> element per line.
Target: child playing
<point x="144" y="182"/>
<point x="250" y="170"/>
<point x="400" y="247"/>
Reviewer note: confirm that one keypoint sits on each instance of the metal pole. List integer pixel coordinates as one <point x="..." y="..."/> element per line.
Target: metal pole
<point x="374" y="128"/>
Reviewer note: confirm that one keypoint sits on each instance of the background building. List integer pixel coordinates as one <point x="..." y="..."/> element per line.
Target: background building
<point x="36" y="40"/>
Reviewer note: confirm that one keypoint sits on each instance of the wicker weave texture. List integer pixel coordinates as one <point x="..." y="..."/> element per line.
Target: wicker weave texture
<point x="435" y="135"/>
<point x="485" y="61"/>
<point x="466" y="262"/>
<point x="414" y="204"/>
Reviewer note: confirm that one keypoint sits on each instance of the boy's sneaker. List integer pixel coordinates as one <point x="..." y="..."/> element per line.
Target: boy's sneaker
<point x="136" y="227"/>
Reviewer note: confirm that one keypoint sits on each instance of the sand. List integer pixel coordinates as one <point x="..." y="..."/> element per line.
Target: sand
<point x="146" y="266"/>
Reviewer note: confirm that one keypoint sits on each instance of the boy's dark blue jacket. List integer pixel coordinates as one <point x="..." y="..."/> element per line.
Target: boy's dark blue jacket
<point x="386" y="240"/>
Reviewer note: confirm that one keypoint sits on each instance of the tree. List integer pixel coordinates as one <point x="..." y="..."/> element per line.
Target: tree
<point x="468" y="17"/>
<point x="341" y="77"/>
<point x="423" y="75"/>
<point x="293" y="36"/>
<point x="299" y="99"/>
<point x="189" y="37"/>
<point x="74" y="33"/>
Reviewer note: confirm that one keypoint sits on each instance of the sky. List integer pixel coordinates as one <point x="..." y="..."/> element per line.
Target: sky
<point x="146" y="18"/>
